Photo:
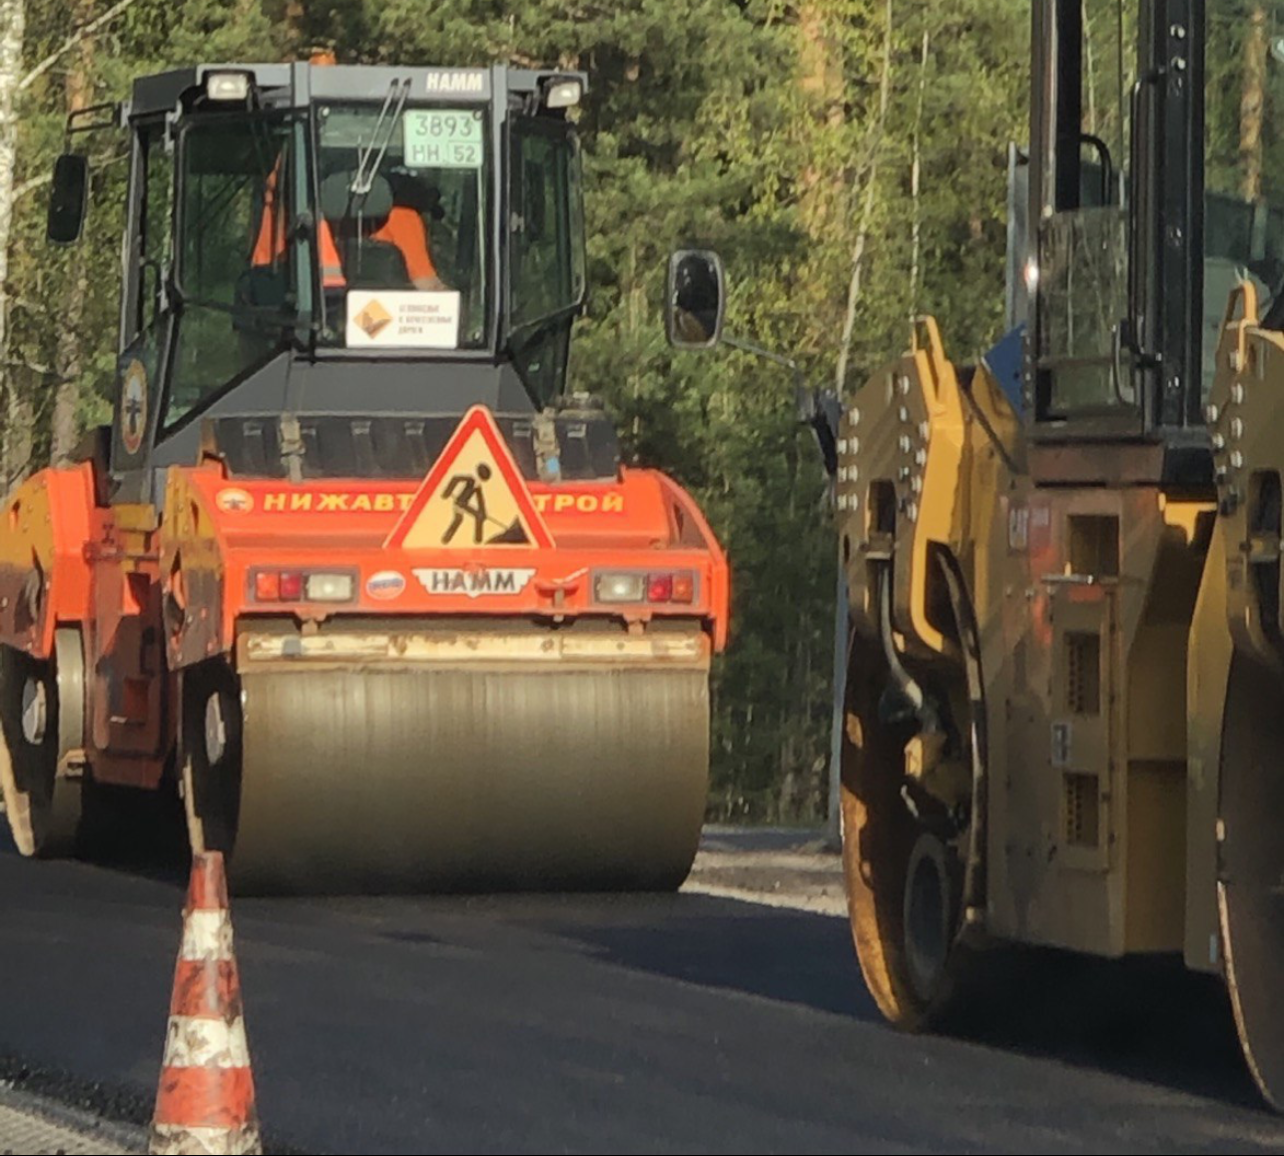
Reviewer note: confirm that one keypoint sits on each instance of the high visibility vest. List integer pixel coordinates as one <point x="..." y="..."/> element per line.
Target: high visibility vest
<point x="331" y="267"/>
<point x="403" y="228"/>
<point x="270" y="245"/>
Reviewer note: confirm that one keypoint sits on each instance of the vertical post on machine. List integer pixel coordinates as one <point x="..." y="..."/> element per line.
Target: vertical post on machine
<point x="833" y="819"/>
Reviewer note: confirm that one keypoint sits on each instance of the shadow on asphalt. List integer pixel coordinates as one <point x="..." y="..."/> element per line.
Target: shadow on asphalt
<point x="1146" y="1019"/>
<point x="773" y="953"/>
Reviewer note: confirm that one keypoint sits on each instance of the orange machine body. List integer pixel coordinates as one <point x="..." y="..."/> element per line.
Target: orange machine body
<point x="154" y="590"/>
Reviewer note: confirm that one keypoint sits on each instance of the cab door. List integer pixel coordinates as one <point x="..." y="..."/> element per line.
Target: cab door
<point x="146" y="313"/>
<point x="1084" y="206"/>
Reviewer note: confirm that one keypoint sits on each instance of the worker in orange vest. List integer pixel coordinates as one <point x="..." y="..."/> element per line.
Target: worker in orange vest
<point x="404" y="228"/>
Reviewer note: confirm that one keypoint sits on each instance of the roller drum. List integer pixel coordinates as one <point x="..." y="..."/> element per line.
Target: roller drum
<point x="379" y="779"/>
<point x="1251" y="869"/>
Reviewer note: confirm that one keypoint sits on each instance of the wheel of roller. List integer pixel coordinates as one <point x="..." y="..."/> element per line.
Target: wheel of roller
<point x="929" y="918"/>
<point x="1251" y="868"/>
<point x="44" y="809"/>
<point x="903" y="879"/>
<point x="210" y="756"/>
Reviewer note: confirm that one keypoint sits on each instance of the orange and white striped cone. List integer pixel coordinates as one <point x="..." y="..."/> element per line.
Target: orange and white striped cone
<point x="205" y="1103"/>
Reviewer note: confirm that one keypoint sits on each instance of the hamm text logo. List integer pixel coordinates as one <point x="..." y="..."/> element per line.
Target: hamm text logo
<point x="468" y="81"/>
<point x="472" y="583"/>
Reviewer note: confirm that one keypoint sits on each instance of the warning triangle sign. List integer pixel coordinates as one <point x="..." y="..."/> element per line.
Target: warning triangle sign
<point x="473" y="496"/>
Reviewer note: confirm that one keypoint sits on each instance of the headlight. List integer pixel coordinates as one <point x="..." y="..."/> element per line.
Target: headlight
<point x="619" y="587"/>
<point x="329" y="588"/>
<point x="563" y="94"/>
<point x="227" y="86"/>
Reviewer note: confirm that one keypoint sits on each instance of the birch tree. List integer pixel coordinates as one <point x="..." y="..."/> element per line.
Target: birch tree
<point x="77" y="88"/>
<point x="13" y="20"/>
<point x="1252" y="105"/>
<point x="15" y="80"/>
<point x="869" y="176"/>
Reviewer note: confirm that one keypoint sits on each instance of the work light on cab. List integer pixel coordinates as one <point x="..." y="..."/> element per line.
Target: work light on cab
<point x="228" y="86"/>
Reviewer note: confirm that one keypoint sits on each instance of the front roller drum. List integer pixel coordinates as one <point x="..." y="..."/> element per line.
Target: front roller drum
<point x="373" y="779"/>
<point x="902" y="897"/>
<point x="904" y="877"/>
<point x="41" y="729"/>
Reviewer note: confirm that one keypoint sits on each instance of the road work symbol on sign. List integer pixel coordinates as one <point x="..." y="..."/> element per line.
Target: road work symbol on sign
<point x="473" y="496"/>
<point x="470" y="502"/>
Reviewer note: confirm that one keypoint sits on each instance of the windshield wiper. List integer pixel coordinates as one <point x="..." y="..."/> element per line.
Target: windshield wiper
<point x="363" y="179"/>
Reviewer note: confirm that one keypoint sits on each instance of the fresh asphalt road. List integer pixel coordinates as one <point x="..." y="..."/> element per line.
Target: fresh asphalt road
<point x="604" y="1024"/>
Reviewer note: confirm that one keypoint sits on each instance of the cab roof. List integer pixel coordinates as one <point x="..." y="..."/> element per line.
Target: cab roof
<point x="299" y="84"/>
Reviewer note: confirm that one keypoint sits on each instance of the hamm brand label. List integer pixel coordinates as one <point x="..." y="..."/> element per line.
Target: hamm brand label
<point x="462" y="82"/>
<point x="473" y="583"/>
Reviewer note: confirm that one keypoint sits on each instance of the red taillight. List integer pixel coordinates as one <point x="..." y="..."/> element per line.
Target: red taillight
<point x="267" y="586"/>
<point x="303" y="585"/>
<point x="673" y="586"/>
<point x="291" y="585"/>
<point x="659" y="588"/>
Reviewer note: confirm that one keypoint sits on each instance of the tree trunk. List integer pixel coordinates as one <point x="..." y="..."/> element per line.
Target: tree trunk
<point x="295" y="31"/>
<point x="17" y="423"/>
<point x="916" y="171"/>
<point x="68" y="361"/>
<point x="873" y="146"/>
<point x="822" y="81"/>
<point x="1252" y="105"/>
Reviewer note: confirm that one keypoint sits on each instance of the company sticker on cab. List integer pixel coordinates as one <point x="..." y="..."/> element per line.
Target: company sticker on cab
<point x="386" y="585"/>
<point x="234" y="500"/>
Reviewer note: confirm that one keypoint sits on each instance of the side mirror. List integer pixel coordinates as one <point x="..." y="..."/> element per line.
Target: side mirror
<point x="67" y="199"/>
<point x="696" y="299"/>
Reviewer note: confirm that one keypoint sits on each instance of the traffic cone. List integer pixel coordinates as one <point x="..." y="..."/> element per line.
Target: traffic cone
<point x="205" y="1103"/>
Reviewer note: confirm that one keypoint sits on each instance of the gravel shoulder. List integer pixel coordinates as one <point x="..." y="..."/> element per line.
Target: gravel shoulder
<point x="39" y="1125"/>
<point x="777" y="867"/>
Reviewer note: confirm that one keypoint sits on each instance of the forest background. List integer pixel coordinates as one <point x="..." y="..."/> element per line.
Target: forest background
<point x="848" y="158"/>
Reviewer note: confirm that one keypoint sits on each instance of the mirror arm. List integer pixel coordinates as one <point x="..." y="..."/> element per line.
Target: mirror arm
<point x="758" y="351"/>
<point x="92" y="118"/>
<point x="811" y="403"/>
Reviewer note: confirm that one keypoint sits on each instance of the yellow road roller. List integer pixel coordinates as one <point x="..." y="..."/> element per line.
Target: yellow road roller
<point x="1063" y="711"/>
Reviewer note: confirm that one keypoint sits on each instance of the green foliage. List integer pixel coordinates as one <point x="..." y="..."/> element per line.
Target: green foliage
<point x="747" y="125"/>
<point x="150" y="36"/>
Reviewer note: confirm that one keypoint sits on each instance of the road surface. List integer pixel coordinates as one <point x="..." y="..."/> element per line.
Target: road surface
<point x="618" y="1023"/>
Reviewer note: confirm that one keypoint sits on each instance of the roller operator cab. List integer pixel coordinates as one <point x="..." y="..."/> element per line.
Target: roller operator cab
<point x="349" y="568"/>
<point x="1064" y="701"/>
<point x="287" y="222"/>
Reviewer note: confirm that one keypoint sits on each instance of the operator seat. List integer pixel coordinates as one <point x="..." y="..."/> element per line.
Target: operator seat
<point x="367" y="263"/>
